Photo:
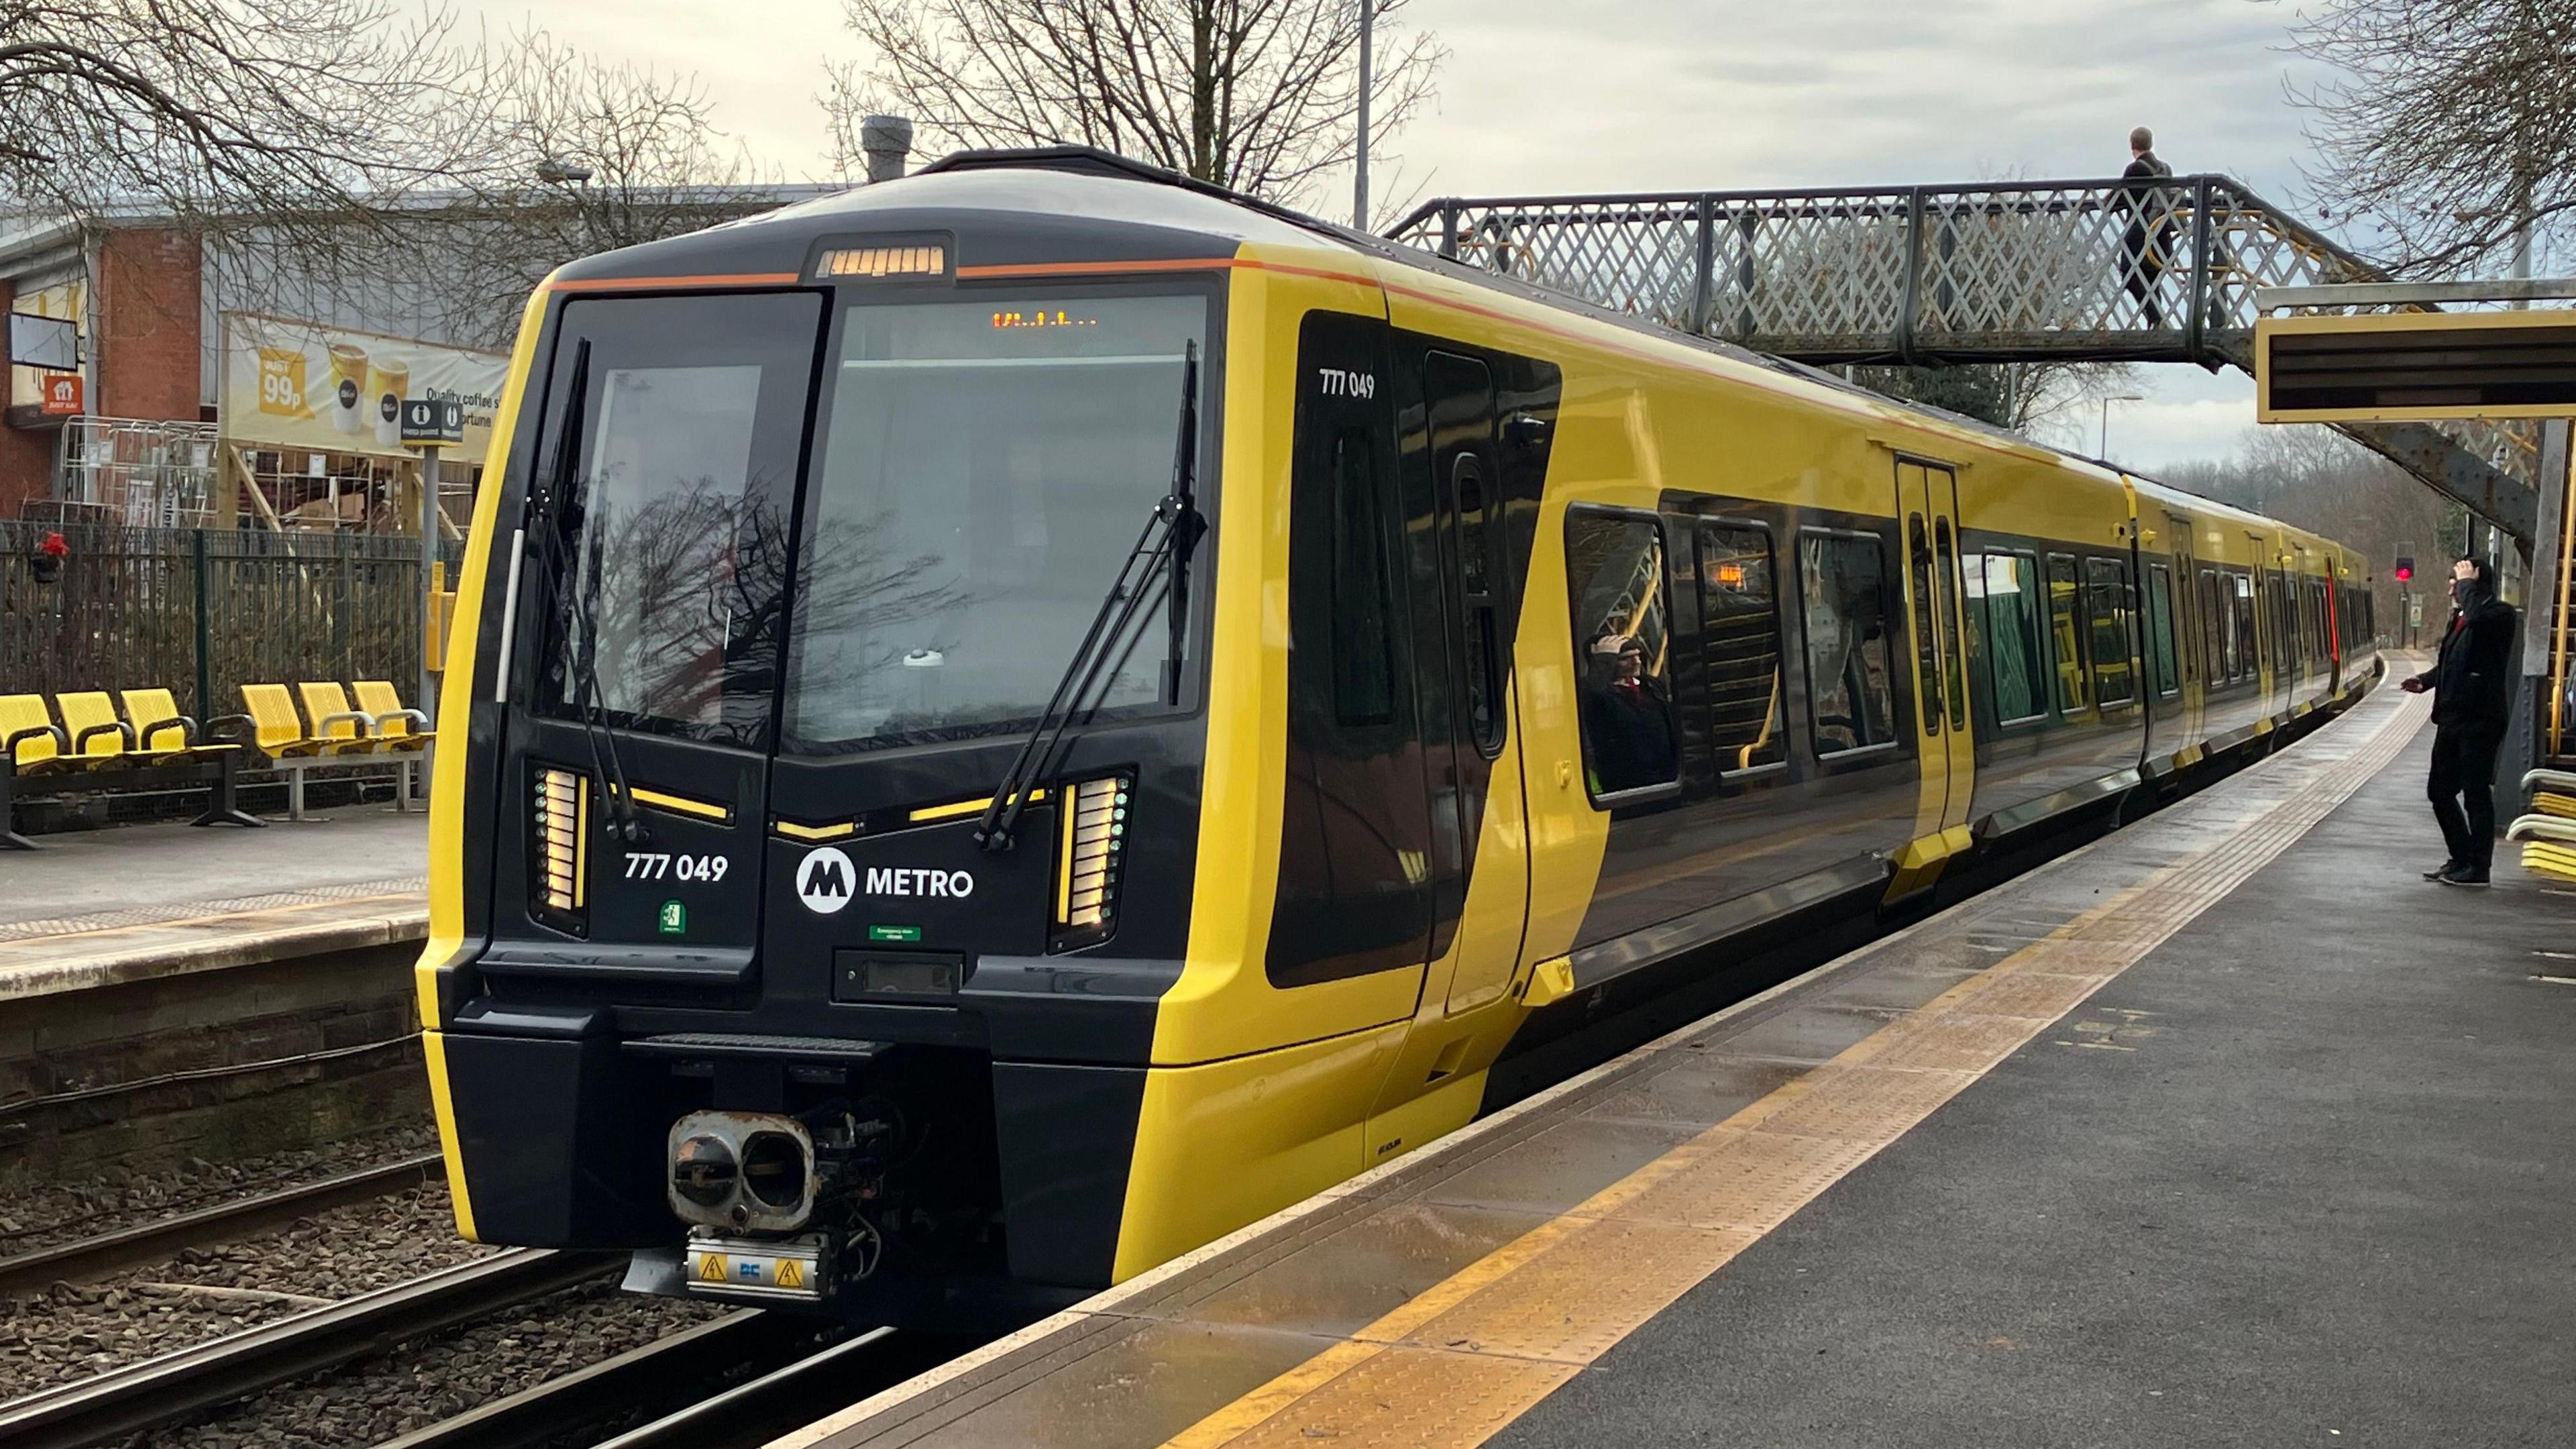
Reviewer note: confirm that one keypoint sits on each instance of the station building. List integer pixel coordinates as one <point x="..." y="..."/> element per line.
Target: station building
<point x="136" y="434"/>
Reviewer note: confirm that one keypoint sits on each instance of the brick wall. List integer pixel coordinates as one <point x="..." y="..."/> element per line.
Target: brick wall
<point x="26" y="454"/>
<point x="147" y="348"/>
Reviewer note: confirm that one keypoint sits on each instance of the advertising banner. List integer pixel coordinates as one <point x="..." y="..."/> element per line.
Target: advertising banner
<point x="290" y="384"/>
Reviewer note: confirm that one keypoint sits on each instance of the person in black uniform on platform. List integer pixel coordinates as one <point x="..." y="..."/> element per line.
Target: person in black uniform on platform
<point x="2472" y="684"/>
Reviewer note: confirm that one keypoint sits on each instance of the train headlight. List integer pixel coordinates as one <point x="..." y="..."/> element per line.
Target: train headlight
<point x="705" y="1171"/>
<point x="742" y="1171"/>
<point x="774" y="1169"/>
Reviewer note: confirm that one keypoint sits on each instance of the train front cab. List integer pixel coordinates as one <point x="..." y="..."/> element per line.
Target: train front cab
<point x="923" y="1078"/>
<point x="719" y="977"/>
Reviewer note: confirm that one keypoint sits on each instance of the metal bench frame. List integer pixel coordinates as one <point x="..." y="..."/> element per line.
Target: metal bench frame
<point x="221" y="773"/>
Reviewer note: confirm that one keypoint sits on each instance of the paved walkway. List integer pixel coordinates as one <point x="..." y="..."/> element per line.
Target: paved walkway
<point x="127" y="903"/>
<point x="2225" y="1130"/>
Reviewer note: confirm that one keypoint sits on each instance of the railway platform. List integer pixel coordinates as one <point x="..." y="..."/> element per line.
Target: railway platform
<point x="166" y="990"/>
<point x="2227" y="1128"/>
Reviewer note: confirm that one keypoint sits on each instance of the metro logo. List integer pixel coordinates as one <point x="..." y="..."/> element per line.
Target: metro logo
<point x="951" y="884"/>
<point x="823" y="880"/>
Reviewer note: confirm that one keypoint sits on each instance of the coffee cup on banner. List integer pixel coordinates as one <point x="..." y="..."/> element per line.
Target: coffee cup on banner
<point x="350" y="404"/>
<point x="390" y="382"/>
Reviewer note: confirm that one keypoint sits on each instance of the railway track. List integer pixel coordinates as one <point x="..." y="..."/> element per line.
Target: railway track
<point x="735" y="1382"/>
<point x="173" y="1386"/>
<point x="144" y="1242"/>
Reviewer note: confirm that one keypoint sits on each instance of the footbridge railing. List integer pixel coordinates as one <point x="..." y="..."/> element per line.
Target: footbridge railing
<point x="2104" y="270"/>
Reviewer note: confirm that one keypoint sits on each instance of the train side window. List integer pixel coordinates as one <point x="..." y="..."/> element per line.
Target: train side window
<point x="2003" y="602"/>
<point x="2242" y="640"/>
<point x="1616" y="584"/>
<point x="2213" y="630"/>
<point x="1927" y="648"/>
<point x="1851" y="692"/>
<point x="1363" y="620"/>
<point x="2066" y="631"/>
<point x="2106" y="611"/>
<point x="1946" y="590"/>
<point x="1739" y="630"/>
<point x="2160" y="628"/>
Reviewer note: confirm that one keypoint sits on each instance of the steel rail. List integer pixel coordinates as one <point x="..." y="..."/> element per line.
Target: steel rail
<point x="690" y="1363"/>
<point x="175" y="1385"/>
<point x="89" y="1257"/>
<point x="755" y="1411"/>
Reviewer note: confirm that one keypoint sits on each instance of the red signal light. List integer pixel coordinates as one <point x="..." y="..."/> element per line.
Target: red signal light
<point x="2404" y="573"/>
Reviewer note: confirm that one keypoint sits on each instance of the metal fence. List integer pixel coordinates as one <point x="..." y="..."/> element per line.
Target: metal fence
<point x="201" y="612"/>
<point x="2101" y="270"/>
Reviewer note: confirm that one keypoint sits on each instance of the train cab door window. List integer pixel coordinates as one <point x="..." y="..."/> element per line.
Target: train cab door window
<point x="1927" y="641"/>
<point x="1363" y="616"/>
<point x="1354" y="895"/>
<point x="1739" y="631"/>
<point x="1946" y="594"/>
<point x="2106" y="612"/>
<point x="2160" y="630"/>
<point x="2003" y="600"/>
<point x="2066" y="632"/>
<point x="1851" y="692"/>
<point x="1460" y="392"/>
<point x="1616" y="586"/>
<point x="1474" y="536"/>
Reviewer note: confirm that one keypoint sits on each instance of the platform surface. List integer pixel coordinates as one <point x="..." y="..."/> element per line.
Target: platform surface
<point x="96" y="907"/>
<point x="2227" y="1129"/>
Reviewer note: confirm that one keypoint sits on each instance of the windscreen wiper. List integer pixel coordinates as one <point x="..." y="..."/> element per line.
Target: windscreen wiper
<point x="1171" y="532"/>
<point x="554" y="517"/>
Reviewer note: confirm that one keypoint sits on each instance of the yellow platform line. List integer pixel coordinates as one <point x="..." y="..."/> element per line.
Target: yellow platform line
<point x="1473" y="1353"/>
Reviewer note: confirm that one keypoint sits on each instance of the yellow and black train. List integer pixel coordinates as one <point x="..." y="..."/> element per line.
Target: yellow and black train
<point x="1017" y="720"/>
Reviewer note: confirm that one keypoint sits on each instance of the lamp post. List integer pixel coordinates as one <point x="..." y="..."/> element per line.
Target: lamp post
<point x="1359" y="185"/>
<point x="2102" y="450"/>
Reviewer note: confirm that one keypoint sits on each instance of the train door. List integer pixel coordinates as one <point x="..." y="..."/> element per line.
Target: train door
<point x="1927" y="500"/>
<point x="1475" y="764"/>
<point x="2192" y="670"/>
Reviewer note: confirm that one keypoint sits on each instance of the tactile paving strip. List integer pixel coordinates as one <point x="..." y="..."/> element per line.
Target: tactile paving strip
<point x="182" y="911"/>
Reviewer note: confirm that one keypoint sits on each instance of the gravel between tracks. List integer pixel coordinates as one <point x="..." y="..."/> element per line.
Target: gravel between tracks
<point x="72" y="1331"/>
<point x="44" y="1215"/>
<point x="420" y="1383"/>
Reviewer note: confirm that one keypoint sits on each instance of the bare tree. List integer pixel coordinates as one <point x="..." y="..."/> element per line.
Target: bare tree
<point x="2315" y="478"/>
<point x="216" y="108"/>
<point x="580" y="156"/>
<point x="2453" y="122"/>
<point x="2040" y="399"/>
<point x="1257" y="95"/>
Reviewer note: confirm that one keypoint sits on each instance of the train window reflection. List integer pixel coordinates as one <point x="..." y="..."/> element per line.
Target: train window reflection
<point x="1851" y="693"/>
<point x="2106" y="610"/>
<point x="1622" y="637"/>
<point x="977" y="489"/>
<point x="2160" y="626"/>
<point x="2003" y="604"/>
<point x="1363" y="620"/>
<point x="1739" y="632"/>
<point x="2066" y="631"/>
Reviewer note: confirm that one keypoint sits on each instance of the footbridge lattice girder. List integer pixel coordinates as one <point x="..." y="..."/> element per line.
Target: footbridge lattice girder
<point x="2105" y="270"/>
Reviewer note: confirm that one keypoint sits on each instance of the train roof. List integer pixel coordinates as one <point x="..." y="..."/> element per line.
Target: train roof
<point x="1108" y="207"/>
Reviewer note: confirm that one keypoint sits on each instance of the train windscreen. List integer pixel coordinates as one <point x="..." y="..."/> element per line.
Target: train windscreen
<point x="982" y="472"/>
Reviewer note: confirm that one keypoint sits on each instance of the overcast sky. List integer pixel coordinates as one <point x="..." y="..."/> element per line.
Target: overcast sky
<point x="1590" y="95"/>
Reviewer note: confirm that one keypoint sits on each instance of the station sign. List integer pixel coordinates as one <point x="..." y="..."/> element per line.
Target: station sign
<point x="2415" y="366"/>
<point x="432" y="423"/>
